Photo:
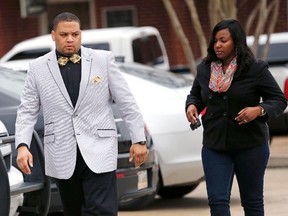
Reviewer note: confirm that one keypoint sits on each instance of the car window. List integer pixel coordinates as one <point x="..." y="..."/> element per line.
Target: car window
<point x="7" y="100"/>
<point x="30" y="54"/>
<point x="11" y="81"/>
<point x="101" y="46"/>
<point x="277" y="53"/>
<point x="160" y="77"/>
<point x="147" y="50"/>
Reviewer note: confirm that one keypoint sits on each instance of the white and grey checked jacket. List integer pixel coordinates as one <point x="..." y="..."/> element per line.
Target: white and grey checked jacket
<point x="90" y="124"/>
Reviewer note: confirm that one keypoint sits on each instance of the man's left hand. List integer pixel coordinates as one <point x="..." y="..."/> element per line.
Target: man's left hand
<point x="139" y="152"/>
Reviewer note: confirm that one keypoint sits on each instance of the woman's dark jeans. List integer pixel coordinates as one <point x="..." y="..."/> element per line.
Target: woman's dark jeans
<point x="249" y="167"/>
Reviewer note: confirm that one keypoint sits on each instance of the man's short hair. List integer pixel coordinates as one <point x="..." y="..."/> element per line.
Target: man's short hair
<point x="65" y="17"/>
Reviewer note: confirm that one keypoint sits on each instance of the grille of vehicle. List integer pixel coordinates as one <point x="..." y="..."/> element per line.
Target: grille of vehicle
<point x="6" y="151"/>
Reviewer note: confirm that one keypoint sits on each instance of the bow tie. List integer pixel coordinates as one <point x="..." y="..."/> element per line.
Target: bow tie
<point x="75" y="58"/>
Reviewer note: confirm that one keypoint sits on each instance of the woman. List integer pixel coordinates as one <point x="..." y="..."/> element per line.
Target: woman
<point x="240" y="96"/>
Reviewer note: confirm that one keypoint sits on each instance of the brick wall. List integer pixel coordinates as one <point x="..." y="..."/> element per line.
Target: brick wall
<point x="155" y="15"/>
<point x="149" y="13"/>
<point x="13" y="28"/>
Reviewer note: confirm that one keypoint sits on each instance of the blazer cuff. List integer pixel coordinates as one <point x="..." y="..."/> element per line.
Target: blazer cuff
<point x="22" y="144"/>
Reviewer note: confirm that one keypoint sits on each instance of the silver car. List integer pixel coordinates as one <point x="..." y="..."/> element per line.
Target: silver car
<point x="12" y="177"/>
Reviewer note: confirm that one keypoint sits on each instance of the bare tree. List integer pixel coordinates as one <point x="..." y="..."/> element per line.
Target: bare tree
<point x="181" y="35"/>
<point x="262" y="16"/>
<point x="275" y="7"/>
<point x="224" y="9"/>
<point x="229" y="8"/>
<point x="214" y="12"/>
<point x="263" y="12"/>
<point x="251" y="18"/>
<point x="197" y="26"/>
<point x="221" y="9"/>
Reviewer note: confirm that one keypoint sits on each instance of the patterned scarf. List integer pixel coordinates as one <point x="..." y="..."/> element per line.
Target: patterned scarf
<point x="219" y="81"/>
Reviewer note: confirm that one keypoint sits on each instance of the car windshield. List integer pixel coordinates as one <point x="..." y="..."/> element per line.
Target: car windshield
<point x="163" y="78"/>
<point x="101" y="46"/>
<point x="30" y="54"/>
<point x="11" y="82"/>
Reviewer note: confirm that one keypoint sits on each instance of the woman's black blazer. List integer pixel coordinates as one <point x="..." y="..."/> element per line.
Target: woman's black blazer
<point x="221" y="130"/>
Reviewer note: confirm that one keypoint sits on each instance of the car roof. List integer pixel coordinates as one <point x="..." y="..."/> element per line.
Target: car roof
<point x="278" y="46"/>
<point x="279" y="37"/>
<point x="90" y="35"/>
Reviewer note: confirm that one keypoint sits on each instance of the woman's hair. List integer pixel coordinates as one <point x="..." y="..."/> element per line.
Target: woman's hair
<point x="244" y="54"/>
<point x="65" y="17"/>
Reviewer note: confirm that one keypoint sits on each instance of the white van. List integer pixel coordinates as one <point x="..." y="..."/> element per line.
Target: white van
<point x="136" y="44"/>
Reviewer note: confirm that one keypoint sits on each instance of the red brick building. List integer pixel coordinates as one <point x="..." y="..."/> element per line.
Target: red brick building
<point x="108" y="13"/>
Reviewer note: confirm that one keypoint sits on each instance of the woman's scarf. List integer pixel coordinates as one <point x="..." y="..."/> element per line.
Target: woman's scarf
<point x="220" y="81"/>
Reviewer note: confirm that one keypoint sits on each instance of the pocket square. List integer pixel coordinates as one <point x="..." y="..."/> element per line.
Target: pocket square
<point x="95" y="79"/>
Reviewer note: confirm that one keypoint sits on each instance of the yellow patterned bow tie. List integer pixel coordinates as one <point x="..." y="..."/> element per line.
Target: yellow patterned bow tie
<point x="75" y="58"/>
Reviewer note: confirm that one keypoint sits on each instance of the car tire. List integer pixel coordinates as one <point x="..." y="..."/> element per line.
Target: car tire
<point x="176" y="191"/>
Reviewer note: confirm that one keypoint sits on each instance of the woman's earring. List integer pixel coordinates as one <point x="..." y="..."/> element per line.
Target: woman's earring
<point x="236" y="51"/>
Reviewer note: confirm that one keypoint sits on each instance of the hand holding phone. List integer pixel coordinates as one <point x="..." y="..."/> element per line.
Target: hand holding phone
<point x="196" y="125"/>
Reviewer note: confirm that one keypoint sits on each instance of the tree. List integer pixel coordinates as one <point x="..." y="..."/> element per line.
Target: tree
<point x="263" y="13"/>
<point x="221" y="9"/>
<point x="181" y="35"/>
<point x="197" y="26"/>
<point x="224" y="9"/>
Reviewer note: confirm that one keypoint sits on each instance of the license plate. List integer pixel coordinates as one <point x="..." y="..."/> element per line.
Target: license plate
<point x="142" y="179"/>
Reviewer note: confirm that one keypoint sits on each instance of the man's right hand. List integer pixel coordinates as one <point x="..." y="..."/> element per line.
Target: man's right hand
<point x="24" y="159"/>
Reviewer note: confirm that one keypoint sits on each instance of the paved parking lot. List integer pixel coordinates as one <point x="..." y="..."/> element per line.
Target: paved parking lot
<point x="276" y="199"/>
<point x="195" y="203"/>
<point x="279" y="152"/>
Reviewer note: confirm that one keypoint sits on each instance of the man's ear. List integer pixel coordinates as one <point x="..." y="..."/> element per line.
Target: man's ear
<point x="53" y="35"/>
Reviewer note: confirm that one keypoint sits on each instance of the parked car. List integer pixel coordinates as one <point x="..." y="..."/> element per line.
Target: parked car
<point x="277" y="58"/>
<point x="136" y="44"/>
<point x="161" y="97"/>
<point x="9" y="176"/>
<point x="137" y="187"/>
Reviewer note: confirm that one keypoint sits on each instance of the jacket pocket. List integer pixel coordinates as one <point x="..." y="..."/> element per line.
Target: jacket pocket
<point x="107" y="133"/>
<point x="49" y="136"/>
<point x="49" y="128"/>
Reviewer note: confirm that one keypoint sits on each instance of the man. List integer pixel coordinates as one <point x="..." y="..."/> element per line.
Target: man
<point x="76" y="86"/>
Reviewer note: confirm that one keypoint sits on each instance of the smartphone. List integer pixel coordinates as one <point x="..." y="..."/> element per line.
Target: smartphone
<point x="196" y="125"/>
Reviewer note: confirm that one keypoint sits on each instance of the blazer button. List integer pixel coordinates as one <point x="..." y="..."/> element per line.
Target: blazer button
<point x="225" y="114"/>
